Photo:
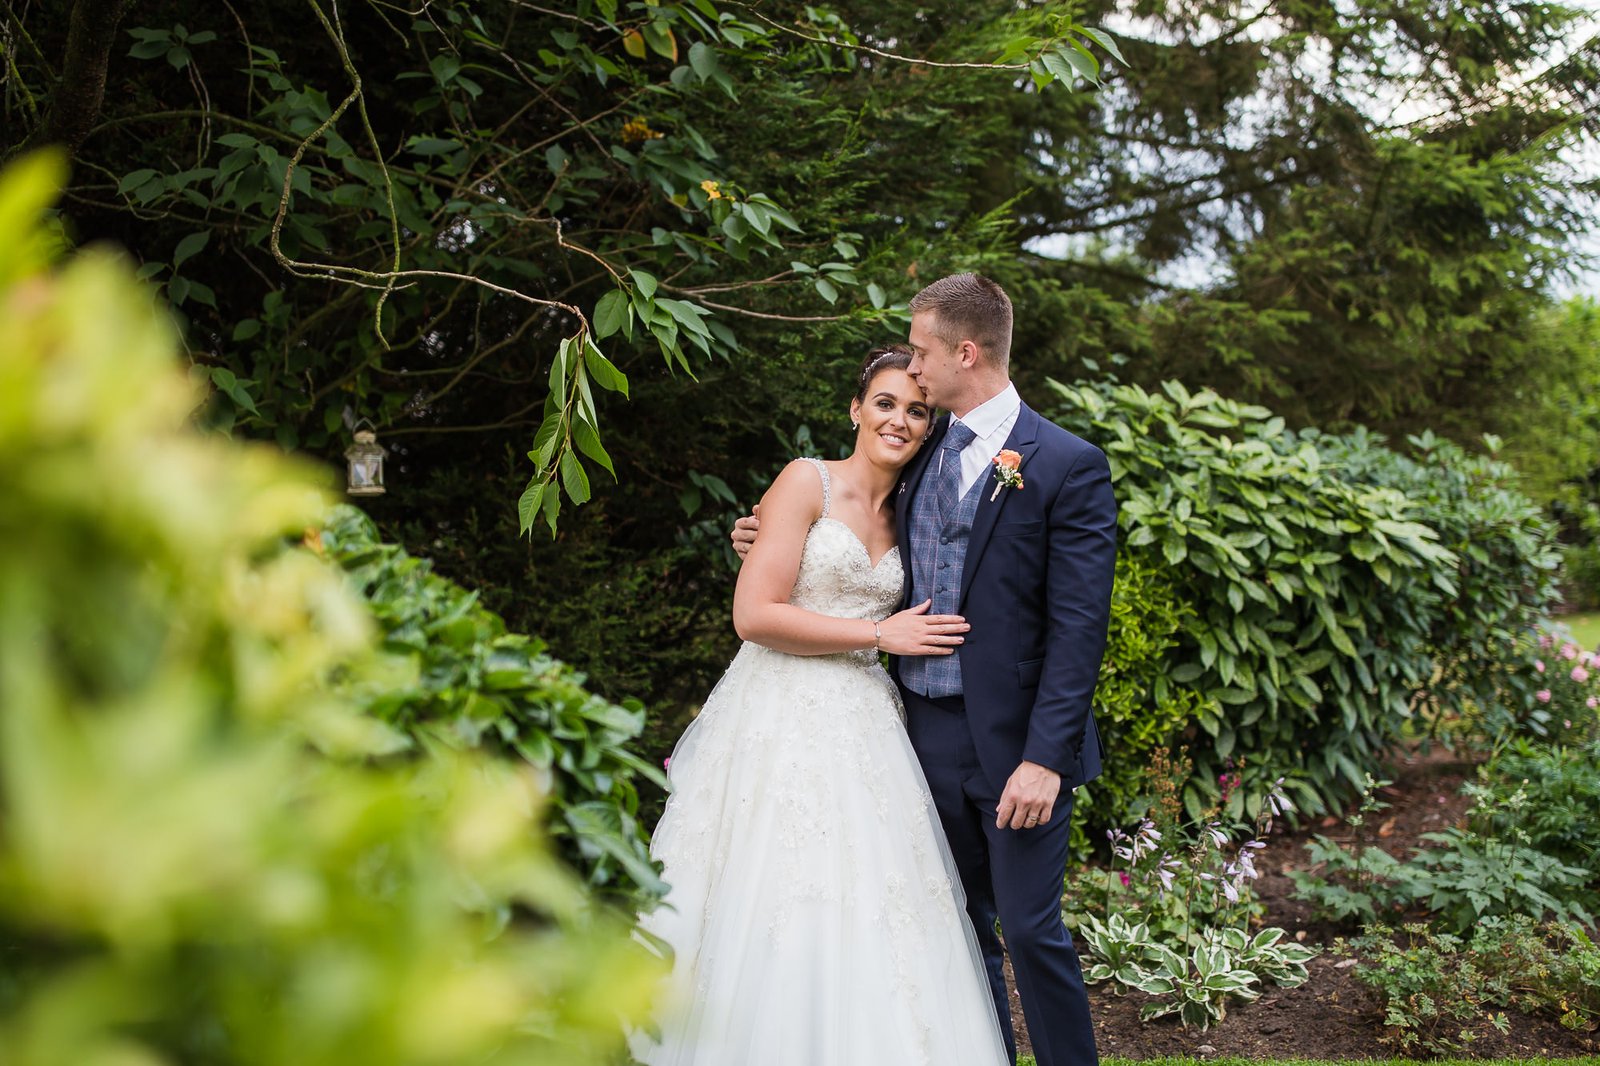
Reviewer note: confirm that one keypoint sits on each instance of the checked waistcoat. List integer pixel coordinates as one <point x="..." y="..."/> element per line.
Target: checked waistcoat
<point x="938" y="551"/>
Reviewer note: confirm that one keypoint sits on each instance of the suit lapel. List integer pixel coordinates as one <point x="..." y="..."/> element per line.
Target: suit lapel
<point x="1023" y="439"/>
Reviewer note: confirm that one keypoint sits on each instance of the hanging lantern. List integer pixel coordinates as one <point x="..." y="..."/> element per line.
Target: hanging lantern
<point x="365" y="457"/>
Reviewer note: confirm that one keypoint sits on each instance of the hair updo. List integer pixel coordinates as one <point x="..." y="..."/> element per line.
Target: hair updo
<point x="888" y="357"/>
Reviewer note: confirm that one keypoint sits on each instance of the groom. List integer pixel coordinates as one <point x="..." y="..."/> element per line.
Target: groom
<point x="1003" y="728"/>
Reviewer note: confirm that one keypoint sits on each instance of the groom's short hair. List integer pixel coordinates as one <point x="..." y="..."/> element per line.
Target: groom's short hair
<point x="969" y="307"/>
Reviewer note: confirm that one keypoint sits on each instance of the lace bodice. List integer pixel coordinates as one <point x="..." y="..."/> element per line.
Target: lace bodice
<point x="837" y="577"/>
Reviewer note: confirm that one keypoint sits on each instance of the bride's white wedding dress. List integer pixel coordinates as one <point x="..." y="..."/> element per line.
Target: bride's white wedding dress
<point x="814" y="908"/>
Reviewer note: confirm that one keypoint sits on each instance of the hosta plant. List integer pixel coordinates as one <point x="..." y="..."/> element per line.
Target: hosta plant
<point x="1196" y="985"/>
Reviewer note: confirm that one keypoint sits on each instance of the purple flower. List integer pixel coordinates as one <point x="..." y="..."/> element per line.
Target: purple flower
<point x="1218" y="837"/>
<point x="1277" y="800"/>
<point x="1125" y="878"/>
<point x="1166" y="870"/>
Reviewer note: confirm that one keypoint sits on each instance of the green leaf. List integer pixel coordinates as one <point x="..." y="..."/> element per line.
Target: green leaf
<point x="1056" y="63"/>
<point x="604" y="373"/>
<point x="433" y="145"/>
<point x="646" y="283"/>
<point x="133" y="180"/>
<point x="544" y="441"/>
<point x="559" y="368"/>
<point x="588" y="441"/>
<point x="826" y="289"/>
<point x="444" y="67"/>
<point x="703" y="58"/>
<point x="612" y="312"/>
<point x="189" y="247"/>
<point x="1106" y="41"/>
<point x="550" y="504"/>
<point x="528" y="504"/>
<point x="573" y="479"/>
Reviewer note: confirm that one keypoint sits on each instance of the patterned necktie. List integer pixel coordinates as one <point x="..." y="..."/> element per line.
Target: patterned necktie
<point x="956" y="438"/>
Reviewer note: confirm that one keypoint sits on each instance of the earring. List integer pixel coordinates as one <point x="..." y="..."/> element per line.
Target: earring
<point x="854" y="424"/>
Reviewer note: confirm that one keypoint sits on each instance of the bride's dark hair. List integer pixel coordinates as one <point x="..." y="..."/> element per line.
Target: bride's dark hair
<point x="888" y="357"/>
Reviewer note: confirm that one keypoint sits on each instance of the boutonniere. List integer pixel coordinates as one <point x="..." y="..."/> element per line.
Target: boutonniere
<point x="1007" y="472"/>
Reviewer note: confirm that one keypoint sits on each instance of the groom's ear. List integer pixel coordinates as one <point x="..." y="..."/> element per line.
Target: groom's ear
<point x="969" y="354"/>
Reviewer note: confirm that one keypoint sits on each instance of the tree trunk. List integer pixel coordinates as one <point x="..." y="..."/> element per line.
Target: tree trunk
<point x="75" y="104"/>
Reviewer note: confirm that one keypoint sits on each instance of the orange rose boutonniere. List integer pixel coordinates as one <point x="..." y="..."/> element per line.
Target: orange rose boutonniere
<point x="1007" y="472"/>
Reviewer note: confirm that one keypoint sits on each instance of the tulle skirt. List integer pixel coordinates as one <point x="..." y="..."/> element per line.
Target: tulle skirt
<point x="814" y="911"/>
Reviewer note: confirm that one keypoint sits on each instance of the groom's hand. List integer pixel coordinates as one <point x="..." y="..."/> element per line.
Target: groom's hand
<point x="1029" y="797"/>
<point x="744" y="532"/>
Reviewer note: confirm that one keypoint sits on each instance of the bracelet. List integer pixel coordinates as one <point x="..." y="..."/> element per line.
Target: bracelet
<point x="877" y="639"/>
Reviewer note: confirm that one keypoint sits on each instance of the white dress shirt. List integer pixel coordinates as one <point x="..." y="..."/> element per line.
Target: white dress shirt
<point x="992" y="421"/>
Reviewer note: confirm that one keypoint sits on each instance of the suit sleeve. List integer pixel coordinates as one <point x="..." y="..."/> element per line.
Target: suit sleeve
<point x="1081" y="562"/>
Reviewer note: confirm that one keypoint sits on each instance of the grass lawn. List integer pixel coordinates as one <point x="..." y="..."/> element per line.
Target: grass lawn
<point x="1586" y="627"/>
<point x="1586" y="1060"/>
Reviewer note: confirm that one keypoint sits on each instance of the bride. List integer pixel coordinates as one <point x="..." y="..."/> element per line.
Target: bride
<point x="815" y="914"/>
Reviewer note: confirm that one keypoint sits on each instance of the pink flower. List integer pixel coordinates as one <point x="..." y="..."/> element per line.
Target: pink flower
<point x="1125" y="878"/>
<point x="1544" y="640"/>
<point x="666" y="764"/>
<point x="1569" y="651"/>
<point x="1538" y="664"/>
<point x="1591" y="703"/>
<point x="1579" y="674"/>
<point x="1543" y="695"/>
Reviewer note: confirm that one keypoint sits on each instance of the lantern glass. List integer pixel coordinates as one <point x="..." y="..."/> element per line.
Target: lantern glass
<point x="365" y="458"/>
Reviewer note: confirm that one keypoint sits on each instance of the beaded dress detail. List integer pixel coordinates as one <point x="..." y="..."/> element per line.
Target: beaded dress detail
<point x="814" y="913"/>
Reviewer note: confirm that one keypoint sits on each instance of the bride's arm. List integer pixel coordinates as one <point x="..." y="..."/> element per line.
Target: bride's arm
<point x="761" y="609"/>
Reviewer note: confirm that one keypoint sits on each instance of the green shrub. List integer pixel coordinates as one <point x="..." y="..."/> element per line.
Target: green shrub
<point x="1580" y="563"/>
<point x="1138" y="707"/>
<point x="1435" y="998"/>
<point x="1319" y="600"/>
<point x="1478" y="629"/>
<point x="1440" y="991"/>
<point x="450" y="662"/>
<point x="204" y="856"/>
<point x="1561" y="790"/>
<point x="1492" y="868"/>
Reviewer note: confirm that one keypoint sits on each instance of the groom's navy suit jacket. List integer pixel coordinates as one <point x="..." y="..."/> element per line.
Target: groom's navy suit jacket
<point x="1036" y="589"/>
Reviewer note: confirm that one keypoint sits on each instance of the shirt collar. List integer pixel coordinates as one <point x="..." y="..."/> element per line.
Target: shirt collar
<point x="990" y="415"/>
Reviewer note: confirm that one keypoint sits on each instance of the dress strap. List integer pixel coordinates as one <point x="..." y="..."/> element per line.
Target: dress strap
<point x="827" y="488"/>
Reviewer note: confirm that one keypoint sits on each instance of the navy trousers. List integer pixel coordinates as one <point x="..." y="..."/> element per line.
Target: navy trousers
<point x="1013" y="875"/>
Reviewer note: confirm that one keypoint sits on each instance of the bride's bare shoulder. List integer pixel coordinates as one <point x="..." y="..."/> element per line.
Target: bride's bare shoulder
<point x="798" y="489"/>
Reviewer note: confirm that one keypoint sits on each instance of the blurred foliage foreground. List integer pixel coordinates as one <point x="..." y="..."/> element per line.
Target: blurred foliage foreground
<point x="208" y="853"/>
